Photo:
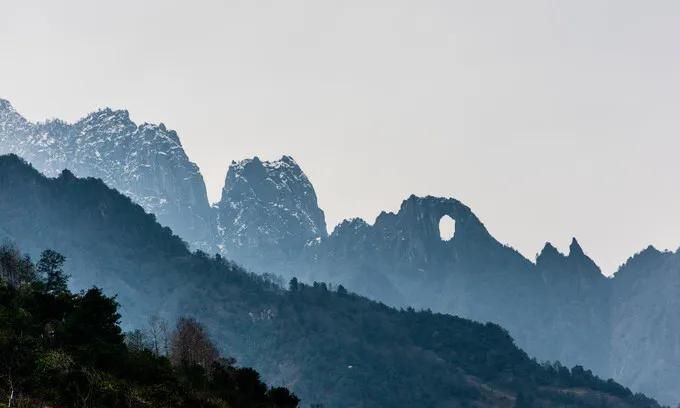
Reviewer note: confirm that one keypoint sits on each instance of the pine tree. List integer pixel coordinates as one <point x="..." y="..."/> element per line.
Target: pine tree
<point x="50" y="268"/>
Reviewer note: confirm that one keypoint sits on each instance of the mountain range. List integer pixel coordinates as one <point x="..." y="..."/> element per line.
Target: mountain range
<point x="146" y="162"/>
<point x="556" y="307"/>
<point x="328" y="345"/>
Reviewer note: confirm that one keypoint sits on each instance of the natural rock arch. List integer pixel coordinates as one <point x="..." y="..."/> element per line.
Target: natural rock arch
<point x="447" y="227"/>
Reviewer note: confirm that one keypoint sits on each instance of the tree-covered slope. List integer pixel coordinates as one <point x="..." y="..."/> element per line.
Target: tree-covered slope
<point x="327" y="345"/>
<point x="59" y="349"/>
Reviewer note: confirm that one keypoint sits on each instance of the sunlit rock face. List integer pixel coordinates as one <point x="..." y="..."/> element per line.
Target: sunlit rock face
<point x="146" y="162"/>
<point x="268" y="213"/>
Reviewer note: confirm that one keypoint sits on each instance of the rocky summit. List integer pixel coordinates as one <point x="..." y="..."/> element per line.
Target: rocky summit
<point x="556" y="307"/>
<point x="268" y="211"/>
<point x="145" y="162"/>
<point x="329" y="346"/>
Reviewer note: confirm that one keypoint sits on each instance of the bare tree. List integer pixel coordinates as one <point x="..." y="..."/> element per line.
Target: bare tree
<point x="154" y="334"/>
<point x="136" y="340"/>
<point x="158" y="335"/>
<point x="15" y="268"/>
<point x="165" y="336"/>
<point x="190" y="344"/>
<point x="10" y="387"/>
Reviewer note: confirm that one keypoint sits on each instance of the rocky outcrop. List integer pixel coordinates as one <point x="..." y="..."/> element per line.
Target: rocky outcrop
<point x="575" y="307"/>
<point x="645" y="329"/>
<point x="560" y="307"/>
<point x="268" y="214"/>
<point x="331" y="347"/>
<point x="146" y="162"/>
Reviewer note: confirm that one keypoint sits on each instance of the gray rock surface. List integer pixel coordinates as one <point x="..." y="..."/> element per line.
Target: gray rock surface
<point x="268" y="213"/>
<point x="146" y="162"/>
<point x="559" y="307"/>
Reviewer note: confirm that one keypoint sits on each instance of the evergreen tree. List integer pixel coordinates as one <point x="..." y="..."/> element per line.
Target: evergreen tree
<point x="50" y="268"/>
<point x="67" y="350"/>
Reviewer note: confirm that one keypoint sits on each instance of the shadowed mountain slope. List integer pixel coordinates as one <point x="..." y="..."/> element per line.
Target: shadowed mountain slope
<point x="145" y="162"/>
<point x="327" y="345"/>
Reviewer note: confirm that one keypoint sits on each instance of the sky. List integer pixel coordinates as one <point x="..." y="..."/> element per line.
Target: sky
<point x="550" y="119"/>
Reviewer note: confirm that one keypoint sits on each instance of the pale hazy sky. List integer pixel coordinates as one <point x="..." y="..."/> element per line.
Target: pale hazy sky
<point x="551" y="119"/>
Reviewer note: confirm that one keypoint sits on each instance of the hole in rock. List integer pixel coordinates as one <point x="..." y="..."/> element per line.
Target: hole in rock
<point x="447" y="228"/>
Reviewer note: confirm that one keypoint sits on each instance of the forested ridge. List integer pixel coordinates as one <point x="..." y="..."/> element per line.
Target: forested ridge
<point x="63" y="349"/>
<point x="328" y="345"/>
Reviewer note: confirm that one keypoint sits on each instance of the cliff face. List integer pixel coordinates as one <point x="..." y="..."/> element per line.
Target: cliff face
<point x="329" y="346"/>
<point x="560" y="307"/>
<point x="556" y="308"/>
<point x="645" y="329"/>
<point x="268" y="213"/>
<point x="268" y="219"/>
<point x="146" y="162"/>
<point x="576" y="307"/>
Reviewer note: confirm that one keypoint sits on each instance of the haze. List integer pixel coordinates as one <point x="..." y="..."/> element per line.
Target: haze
<point x="550" y="119"/>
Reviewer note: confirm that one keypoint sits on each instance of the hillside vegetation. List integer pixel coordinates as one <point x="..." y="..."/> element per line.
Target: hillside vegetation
<point x="328" y="345"/>
<point x="67" y="350"/>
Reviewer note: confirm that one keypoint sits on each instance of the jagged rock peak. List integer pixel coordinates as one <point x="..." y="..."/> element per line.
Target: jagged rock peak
<point x="451" y="204"/>
<point x="548" y="252"/>
<point x="256" y="167"/>
<point x="107" y="119"/>
<point x="575" y="249"/>
<point x="6" y="105"/>
<point x="268" y="204"/>
<point x="352" y="224"/>
<point x="147" y="163"/>
<point x="575" y="263"/>
<point x="162" y="132"/>
<point x="12" y="160"/>
<point x="66" y="174"/>
<point x="276" y="181"/>
<point x="636" y="262"/>
<point x="118" y="121"/>
<point x="651" y="249"/>
<point x="9" y="115"/>
<point x="422" y="214"/>
<point x="107" y="113"/>
<point x="584" y="263"/>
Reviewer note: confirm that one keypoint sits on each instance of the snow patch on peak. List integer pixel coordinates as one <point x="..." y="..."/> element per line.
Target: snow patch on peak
<point x="145" y="162"/>
<point x="6" y="105"/>
<point x="268" y="206"/>
<point x="351" y="224"/>
<point x="106" y="116"/>
<point x="284" y="163"/>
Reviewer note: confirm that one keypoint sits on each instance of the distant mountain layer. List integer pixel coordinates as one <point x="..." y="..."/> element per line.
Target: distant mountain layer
<point x="328" y="345"/>
<point x="559" y="307"/>
<point x="146" y="162"/>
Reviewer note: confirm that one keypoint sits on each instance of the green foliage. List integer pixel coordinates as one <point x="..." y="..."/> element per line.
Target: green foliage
<point x="50" y="268"/>
<point x="62" y="349"/>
